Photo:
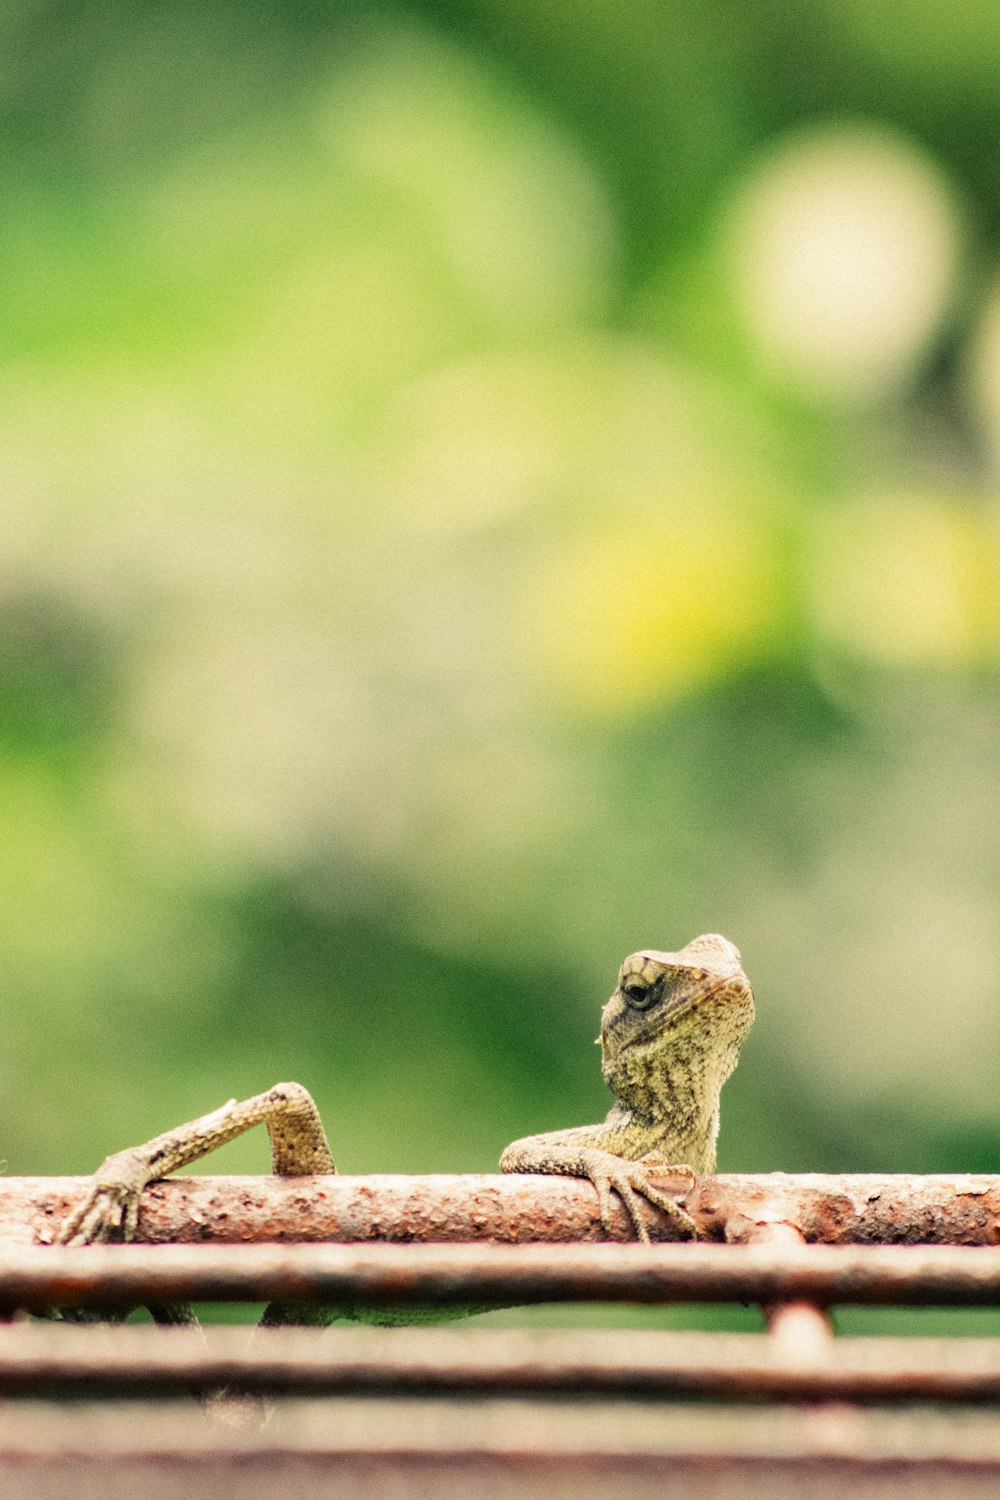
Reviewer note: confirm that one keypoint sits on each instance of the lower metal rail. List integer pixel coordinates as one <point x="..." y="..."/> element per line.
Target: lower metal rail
<point x="509" y="1449"/>
<point x="477" y="1276"/>
<point x="141" y="1362"/>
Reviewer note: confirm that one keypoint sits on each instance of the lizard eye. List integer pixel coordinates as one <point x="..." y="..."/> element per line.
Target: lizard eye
<point x="639" y="995"/>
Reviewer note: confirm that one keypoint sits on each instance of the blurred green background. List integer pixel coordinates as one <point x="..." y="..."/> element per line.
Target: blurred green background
<point x="485" y="488"/>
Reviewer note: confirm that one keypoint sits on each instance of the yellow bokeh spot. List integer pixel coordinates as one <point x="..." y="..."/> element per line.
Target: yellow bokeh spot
<point x="643" y="615"/>
<point x="909" y="580"/>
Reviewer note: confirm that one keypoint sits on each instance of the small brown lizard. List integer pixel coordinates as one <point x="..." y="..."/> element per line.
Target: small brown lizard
<point x="670" y="1037"/>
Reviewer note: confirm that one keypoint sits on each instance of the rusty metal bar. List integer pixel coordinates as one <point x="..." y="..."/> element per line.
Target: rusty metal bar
<point x="511" y="1450"/>
<point x="799" y="1331"/>
<point x="143" y="1362"/>
<point x="849" y="1209"/>
<point x="116" y="1276"/>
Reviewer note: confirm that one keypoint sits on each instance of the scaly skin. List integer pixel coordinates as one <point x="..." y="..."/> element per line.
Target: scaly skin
<point x="670" y="1037"/>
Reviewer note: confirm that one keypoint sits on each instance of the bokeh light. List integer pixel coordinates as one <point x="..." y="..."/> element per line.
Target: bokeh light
<point x="844" y="245"/>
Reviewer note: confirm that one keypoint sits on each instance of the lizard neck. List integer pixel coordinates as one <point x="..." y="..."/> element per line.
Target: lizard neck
<point x="690" y="1143"/>
<point x="669" y="1098"/>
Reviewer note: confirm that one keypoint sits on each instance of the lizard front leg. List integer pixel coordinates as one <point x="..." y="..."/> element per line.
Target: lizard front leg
<point x="298" y="1147"/>
<point x="574" y="1153"/>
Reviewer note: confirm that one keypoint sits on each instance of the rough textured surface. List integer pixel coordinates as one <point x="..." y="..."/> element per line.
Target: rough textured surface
<point x="848" y="1209"/>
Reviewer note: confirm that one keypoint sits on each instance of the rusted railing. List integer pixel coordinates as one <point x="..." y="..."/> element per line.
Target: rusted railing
<point x="848" y="1209"/>
<point x="368" y="1409"/>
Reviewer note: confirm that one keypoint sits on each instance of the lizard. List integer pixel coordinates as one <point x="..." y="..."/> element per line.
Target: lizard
<point x="670" y="1037"/>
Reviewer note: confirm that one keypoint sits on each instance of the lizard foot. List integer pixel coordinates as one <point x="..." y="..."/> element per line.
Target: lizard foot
<point x="110" y="1209"/>
<point x="632" y="1180"/>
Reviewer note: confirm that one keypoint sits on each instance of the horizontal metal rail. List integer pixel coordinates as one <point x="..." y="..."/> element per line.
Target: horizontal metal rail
<point x="847" y="1209"/>
<point x="509" y="1449"/>
<point x="348" y="1276"/>
<point x="141" y="1362"/>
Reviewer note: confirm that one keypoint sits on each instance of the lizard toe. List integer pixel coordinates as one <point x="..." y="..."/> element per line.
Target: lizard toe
<point x="618" y="1179"/>
<point x="609" y="1181"/>
<point x="97" y="1226"/>
<point x="657" y="1164"/>
<point x="660" y="1199"/>
<point x="75" y="1225"/>
<point x="131" y="1218"/>
<point x="671" y="1209"/>
<point x="605" y="1201"/>
<point x="634" y="1211"/>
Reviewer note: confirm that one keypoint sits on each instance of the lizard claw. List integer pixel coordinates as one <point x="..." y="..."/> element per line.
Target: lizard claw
<point x="632" y="1180"/>
<point x="110" y="1209"/>
<point x="96" y="1219"/>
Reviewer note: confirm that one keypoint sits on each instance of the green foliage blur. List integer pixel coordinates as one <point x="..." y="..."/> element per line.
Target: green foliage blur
<point x="486" y="488"/>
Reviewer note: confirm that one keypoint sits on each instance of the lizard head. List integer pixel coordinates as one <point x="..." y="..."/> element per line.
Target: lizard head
<point x="675" y="1011"/>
